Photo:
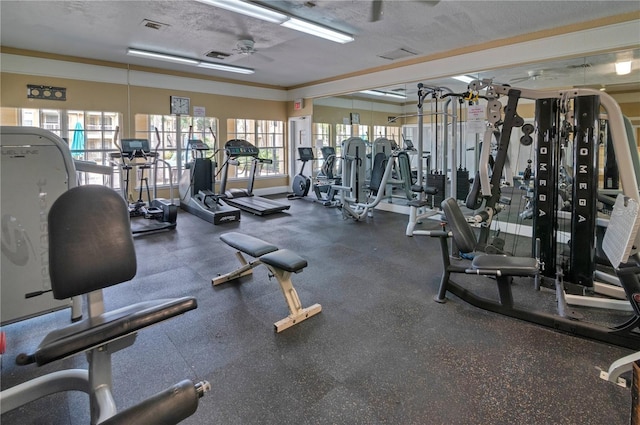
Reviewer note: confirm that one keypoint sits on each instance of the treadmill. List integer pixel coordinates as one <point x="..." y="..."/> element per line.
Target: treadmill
<point x="244" y="199"/>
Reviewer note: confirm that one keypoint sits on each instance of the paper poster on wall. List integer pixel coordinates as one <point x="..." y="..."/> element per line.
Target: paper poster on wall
<point x="199" y="111"/>
<point x="476" y="119"/>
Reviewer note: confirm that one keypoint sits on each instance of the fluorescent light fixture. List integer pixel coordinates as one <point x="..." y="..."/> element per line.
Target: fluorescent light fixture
<point x="249" y="9"/>
<point x="383" y="94"/>
<point x="317" y="30"/>
<point x="266" y="14"/>
<point x="161" y="56"/>
<point x="188" y="61"/>
<point x="223" y="67"/>
<point x="395" y="95"/>
<point x="373" y="92"/>
<point x="463" y="78"/>
<point x="623" y="68"/>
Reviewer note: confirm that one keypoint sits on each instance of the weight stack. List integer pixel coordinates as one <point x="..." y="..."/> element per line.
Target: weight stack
<point x="462" y="184"/>
<point x="437" y="181"/>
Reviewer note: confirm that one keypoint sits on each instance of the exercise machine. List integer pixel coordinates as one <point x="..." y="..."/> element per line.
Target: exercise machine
<point x="301" y="183"/>
<point x="619" y="239"/>
<point x="83" y="262"/>
<point x="245" y="198"/>
<point x="37" y="167"/>
<point x="197" y="187"/>
<point x="326" y="178"/>
<point x="587" y="104"/>
<point x="136" y="154"/>
<point x="351" y="187"/>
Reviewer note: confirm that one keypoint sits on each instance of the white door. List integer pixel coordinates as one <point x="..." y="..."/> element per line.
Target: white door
<point x="299" y="136"/>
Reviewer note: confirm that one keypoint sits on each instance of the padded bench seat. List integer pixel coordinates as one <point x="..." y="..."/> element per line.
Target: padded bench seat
<point x="285" y="260"/>
<point x="280" y="262"/>
<point x="248" y="244"/>
<point x="503" y="265"/>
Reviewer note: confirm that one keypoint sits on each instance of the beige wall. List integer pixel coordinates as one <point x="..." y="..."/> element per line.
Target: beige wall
<point x="132" y="100"/>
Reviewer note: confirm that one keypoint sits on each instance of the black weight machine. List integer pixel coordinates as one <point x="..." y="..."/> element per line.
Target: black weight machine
<point x="244" y="198"/>
<point x="197" y="187"/>
<point x="163" y="211"/>
<point x="621" y="238"/>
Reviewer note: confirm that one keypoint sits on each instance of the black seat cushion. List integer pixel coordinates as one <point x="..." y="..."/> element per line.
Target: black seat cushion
<point x="248" y="244"/>
<point x="508" y="266"/>
<point x="285" y="260"/>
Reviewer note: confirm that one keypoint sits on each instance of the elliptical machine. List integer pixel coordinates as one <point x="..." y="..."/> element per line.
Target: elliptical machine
<point x="301" y="183"/>
<point x="165" y="212"/>
<point x="197" y="186"/>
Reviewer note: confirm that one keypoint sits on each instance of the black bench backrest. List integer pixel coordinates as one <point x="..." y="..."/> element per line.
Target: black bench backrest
<point x="90" y="241"/>
<point x="463" y="234"/>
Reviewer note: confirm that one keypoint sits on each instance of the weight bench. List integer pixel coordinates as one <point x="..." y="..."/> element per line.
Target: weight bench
<point x="91" y="249"/>
<point x="504" y="268"/>
<point x="280" y="262"/>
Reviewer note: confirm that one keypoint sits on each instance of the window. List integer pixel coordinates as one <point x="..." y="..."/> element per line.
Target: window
<point x="343" y="132"/>
<point x="170" y="140"/>
<point x="391" y="133"/>
<point x="321" y="136"/>
<point x="90" y="134"/>
<point x="266" y="135"/>
<point x="361" y="131"/>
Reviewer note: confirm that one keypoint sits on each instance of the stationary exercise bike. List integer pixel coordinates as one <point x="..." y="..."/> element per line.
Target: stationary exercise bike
<point x="301" y="183"/>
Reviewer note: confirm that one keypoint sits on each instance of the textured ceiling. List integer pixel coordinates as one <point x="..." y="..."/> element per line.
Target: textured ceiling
<point x="285" y="58"/>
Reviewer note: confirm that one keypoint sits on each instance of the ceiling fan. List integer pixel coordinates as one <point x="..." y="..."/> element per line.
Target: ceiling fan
<point x="377" y="12"/>
<point x="246" y="47"/>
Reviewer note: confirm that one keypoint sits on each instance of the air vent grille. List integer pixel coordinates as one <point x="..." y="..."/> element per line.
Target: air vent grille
<point x="154" y="25"/>
<point x="217" y="55"/>
<point x="400" y="53"/>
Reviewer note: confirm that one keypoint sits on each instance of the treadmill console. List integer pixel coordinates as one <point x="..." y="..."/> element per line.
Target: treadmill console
<point x="197" y="144"/>
<point x="241" y="148"/>
<point x="306" y="154"/>
<point x="135" y="148"/>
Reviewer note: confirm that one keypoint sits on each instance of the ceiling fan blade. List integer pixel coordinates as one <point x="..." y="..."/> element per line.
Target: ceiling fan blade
<point x="376" y="10"/>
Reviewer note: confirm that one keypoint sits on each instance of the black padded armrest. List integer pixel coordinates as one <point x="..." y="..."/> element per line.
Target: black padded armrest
<point x="502" y="265"/>
<point x="96" y="331"/>
<point x="431" y="190"/>
<point x="248" y="244"/>
<point x="285" y="260"/>
<point x="439" y="234"/>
